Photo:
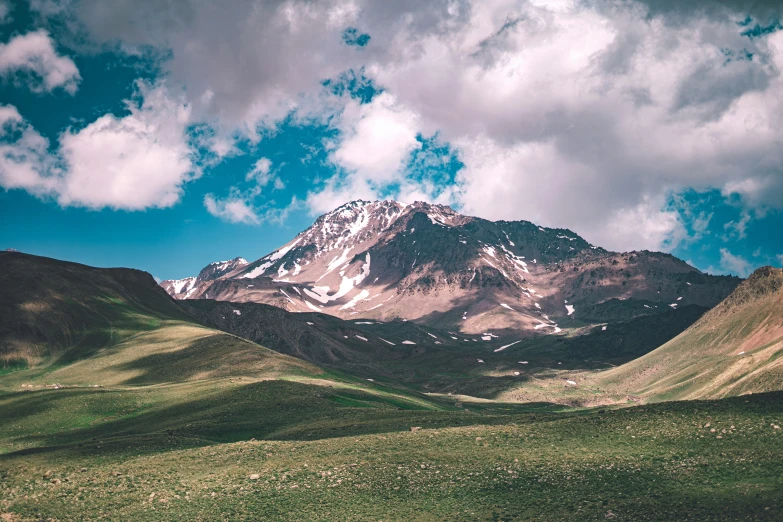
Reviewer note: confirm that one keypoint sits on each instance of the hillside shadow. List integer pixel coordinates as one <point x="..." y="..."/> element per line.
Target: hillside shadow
<point x="266" y="410"/>
<point x="476" y="369"/>
<point x="212" y="356"/>
<point x="17" y="406"/>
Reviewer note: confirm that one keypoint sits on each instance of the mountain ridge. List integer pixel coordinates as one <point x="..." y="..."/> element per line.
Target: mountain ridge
<point x="386" y="260"/>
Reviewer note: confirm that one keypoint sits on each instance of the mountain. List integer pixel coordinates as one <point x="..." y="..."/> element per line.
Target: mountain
<point x="189" y="286"/>
<point x="165" y="419"/>
<point x="734" y="349"/>
<point x="386" y="260"/>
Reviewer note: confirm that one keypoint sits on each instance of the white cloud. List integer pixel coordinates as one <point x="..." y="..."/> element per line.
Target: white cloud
<point x="139" y="161"/>
<point x="246" y="63"/>
<point x="24" y="159"/>
<point x="377" y="138"/>
<point x="734" y="264"/>
<point x="535" y="182"/>
<point x="758" y="191"/>
<point x="701" y="223"/>
<point x="260" y="172"/>
<point x="337" y="191"/>
<point x="588" y="117"/>
<point x="234" y="209"/>
<point x="738" y="228"/>
<point x="34" y="54"/>
<point x="240" y="205"/>
<point x="647" y="226"/>
<point x="376" y="142"/>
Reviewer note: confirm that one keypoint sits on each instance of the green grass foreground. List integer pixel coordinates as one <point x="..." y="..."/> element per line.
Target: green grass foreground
<point x="287" y="450"/>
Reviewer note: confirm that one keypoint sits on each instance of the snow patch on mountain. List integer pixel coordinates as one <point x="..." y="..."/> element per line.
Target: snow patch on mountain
<point x="507" y="346"/>
<point x="181" y="285"/>
<point x="270" y="260"/>
<point x="353" y="302"/>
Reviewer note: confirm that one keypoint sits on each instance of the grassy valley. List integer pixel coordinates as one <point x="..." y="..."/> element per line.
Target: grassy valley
<point x="297" y="453"/>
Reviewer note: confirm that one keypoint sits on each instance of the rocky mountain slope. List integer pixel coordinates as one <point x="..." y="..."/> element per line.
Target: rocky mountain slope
<point x="80" y="322"/>
<point x="734" y="349"/>
<point x="386" y="260"/>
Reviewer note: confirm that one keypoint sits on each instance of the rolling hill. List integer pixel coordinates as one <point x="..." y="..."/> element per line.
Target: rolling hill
<point x="79" y="325"/>
<point x="56" y="309"/>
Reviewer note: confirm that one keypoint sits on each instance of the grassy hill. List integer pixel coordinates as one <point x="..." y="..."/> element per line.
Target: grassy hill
<point x="276" y="450"/>
<point x="52" y="309"/>
<point x="67" y="324"/>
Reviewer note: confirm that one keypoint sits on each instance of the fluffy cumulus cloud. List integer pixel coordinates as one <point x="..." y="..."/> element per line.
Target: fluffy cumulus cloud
<point x="33" y="56"/>
<point x="250" y="63"/>
<point x="24" y="159"/>
<point x="133" y="162"/>
<point x="377" y="139"/>
<point x="246" y="62"/>
<point x="138" y="161"/>
<point x="588" y="115"/>
<point x="260" y="173"/>
<point x="577" y="114"/>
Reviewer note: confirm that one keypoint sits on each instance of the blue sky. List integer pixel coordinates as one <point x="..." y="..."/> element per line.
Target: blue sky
<point x="165" y="136"/>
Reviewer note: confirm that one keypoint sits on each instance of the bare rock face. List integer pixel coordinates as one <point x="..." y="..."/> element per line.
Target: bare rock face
<point x="386" y="260"/>
<point x="763" y="282"/>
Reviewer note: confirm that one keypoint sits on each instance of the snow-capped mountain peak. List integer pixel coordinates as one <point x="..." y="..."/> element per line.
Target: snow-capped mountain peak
<point x="192" y="286"/>
<point x="180" y="288"/>
<point x="426" y="262"/>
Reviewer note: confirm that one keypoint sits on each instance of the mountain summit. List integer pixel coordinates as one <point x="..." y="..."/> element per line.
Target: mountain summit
<point x="387" y="260"/>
